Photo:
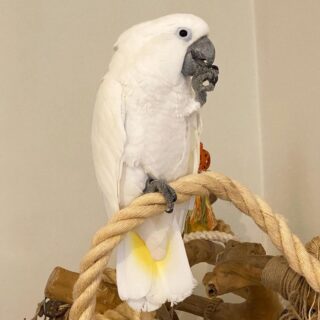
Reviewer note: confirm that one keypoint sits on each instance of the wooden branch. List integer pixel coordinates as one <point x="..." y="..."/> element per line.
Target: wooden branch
<point x="239" y="270"/>
<point x="60" y="285"/>
<point x="163" y="313"/>
<point x="194" y="304"/>
<point x="202" y="251"/>
<point x="166" y="313"/>
<point x="61" y="281"/>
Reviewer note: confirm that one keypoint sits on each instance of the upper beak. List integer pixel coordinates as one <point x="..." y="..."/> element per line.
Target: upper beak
<point x="201" y="51"/>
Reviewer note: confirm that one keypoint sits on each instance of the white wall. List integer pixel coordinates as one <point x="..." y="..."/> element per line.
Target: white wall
<point x="53" y="54"/>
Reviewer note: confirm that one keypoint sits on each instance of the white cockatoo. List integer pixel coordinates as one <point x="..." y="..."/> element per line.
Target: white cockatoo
<point x="146" y="128"/>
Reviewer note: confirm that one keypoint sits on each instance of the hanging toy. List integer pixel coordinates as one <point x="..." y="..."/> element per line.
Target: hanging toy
<point x="201" y="217"/>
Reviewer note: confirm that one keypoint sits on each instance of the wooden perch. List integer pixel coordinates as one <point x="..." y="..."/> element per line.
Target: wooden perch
<point x="61" y="281"/>
<point x="197" y="305"/>
<point x="202" y="251"/>
<point x="240" y="269"/>
<point x="60" y="285"/>
<point x="244" y="269"/>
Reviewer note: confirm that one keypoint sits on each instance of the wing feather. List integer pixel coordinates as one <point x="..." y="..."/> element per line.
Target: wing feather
<point x="108" y="140"/>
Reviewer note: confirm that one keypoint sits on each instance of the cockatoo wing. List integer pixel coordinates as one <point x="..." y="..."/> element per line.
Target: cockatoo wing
<point x="108" y="139"/>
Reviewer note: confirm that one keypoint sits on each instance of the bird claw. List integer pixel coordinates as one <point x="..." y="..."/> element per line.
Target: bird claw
<point x="159" y="185"/>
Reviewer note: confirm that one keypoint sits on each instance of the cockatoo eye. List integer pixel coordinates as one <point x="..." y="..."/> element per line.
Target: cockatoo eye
<point x="184" y="34"/>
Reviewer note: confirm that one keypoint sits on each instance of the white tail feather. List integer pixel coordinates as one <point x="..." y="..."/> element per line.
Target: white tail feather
<point x="146" y="282"/>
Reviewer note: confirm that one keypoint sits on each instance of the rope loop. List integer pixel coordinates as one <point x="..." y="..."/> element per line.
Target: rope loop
<point x="206" y="183"/>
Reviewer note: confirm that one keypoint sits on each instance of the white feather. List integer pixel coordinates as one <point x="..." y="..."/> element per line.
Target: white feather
<point x="108" y="140"/>
<point x="146" y="122"/>
<point x="164" y="277"/>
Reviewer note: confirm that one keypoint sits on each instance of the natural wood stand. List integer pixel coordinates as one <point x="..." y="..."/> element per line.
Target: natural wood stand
<point x="241" y="268"/>
<point x="238" y="269"/>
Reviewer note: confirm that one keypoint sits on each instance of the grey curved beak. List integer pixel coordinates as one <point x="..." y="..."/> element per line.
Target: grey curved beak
<point x="201" y="51"/>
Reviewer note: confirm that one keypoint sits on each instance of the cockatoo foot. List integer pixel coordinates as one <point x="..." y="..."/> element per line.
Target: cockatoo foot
<point x="160" y="185"/>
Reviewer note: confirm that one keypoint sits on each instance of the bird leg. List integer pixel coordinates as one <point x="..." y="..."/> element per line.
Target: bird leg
<point x="160" y="185"/>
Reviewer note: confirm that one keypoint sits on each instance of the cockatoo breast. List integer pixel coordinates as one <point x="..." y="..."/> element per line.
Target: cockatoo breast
<point x="159" y="123"/>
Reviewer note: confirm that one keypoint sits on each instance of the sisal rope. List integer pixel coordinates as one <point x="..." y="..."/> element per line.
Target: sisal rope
<point x="204" y="184"/>
<point x="278" y="276"/>
<point x="213" y="236"/>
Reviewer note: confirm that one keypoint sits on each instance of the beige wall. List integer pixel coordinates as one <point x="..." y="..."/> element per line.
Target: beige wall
<point x="288" y="38"/>
<point x="53" y="54"/>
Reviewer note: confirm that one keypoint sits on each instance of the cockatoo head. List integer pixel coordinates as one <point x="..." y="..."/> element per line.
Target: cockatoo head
<point x="166" y="48"/>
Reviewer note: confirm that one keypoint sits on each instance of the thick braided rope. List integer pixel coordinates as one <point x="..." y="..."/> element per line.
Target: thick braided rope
<point x="148" y="205"/>
<point x="214" y="236"/>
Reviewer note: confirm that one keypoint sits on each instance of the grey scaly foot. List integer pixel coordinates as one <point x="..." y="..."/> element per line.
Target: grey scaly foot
<point x="159" y="185"/>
